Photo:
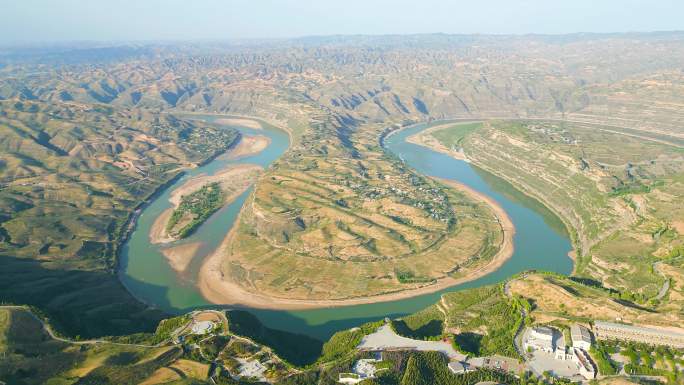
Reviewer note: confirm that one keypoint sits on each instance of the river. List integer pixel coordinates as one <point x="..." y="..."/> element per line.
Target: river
<point x="540" y="240"/>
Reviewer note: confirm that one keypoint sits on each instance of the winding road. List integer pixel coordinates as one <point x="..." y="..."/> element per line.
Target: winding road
<point x="48" y="329"/>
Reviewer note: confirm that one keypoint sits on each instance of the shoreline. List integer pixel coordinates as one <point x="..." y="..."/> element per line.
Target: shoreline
<point x="230" y="174"/>
<point x="247" y="146"/>
<point x="424" y="139"/>
<point x="264" y="122"/>
<point x="214" y="288"/>
<point x="571" y="231"/>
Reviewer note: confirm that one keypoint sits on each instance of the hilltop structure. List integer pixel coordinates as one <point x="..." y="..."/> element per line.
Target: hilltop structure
<point x="581" y="337"/>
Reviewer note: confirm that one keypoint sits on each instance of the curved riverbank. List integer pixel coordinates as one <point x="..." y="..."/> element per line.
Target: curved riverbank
<point x="424" y="138"/>
<point x="539" y="244"/>
<point x="217" y="287"/>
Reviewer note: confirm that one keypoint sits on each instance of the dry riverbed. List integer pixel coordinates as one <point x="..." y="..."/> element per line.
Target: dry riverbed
<point x="248" y="145"/>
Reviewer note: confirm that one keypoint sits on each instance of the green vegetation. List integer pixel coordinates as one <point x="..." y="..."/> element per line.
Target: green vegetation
<point x="427" y="324"/>
<point x="31" y="357"/>
<point x="344" y="343"/>
<point x="643" y="359"/>
<point x="601" y="354"/>
<point x="194" y="209"/>
<point x="83" y="145"/>
<point x="488" y="320"/>
<point x="452" y="136"/>
<point x="611" y="201"/>
<point x="71" y="178"/>
<point x="428" y="368"/>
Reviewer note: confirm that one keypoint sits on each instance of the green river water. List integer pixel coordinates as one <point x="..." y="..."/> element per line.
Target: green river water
<point x="540" y="241"/>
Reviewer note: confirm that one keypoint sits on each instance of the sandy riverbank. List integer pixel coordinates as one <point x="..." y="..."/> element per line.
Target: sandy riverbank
<point x="217" y="287"/>
<point x="234" y="180"/>
<point x="240" y="123"/>
<point x="425" y="138"/>
<point x="248" y="145"/>
<point x="179" y="257"/>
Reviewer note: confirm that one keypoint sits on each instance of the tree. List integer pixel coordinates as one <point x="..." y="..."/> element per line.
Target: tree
<point x="412" y="375"/>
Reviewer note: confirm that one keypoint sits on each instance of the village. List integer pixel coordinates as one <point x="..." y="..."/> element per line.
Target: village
<point x="548" y="352"/>
<point x="208" y="338"/>
<point x="573" y="353"/>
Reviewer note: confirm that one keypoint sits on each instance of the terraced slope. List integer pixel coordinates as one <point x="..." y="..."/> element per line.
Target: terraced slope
<point x="338" y="222"/>
<point x="620" y="193"/>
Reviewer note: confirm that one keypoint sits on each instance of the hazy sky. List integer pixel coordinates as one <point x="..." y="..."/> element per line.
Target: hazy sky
<point x="49" y="20"/>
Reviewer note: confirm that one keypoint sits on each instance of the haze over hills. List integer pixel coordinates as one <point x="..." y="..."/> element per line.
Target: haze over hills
<point x="591" y="125"/>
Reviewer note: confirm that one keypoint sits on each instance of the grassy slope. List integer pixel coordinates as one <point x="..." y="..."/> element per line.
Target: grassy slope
<point x="72" y="176"/>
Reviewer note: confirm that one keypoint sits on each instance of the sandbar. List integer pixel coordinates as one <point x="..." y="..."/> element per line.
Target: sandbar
<point x="248" y="145"/>
<point x="180" y="256"/>
<point x="234" y="179"/>
<point x="240" y="123"/>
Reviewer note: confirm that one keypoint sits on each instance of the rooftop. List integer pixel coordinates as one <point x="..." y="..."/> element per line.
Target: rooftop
<point x="202" y="327"/>
<point x="580" y="333"/>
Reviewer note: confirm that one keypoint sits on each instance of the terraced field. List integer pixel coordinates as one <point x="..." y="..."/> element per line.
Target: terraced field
<point x="616" y="191"/>
<point x="336" y="228"/>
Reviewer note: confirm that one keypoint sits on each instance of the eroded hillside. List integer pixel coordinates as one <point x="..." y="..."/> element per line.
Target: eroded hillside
<point x="335" y="196"/>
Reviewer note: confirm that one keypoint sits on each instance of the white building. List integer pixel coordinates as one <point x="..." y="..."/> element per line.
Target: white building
<point x="362" y="370"/>
<point x="458" y="367"/>
<point x="563" y="353"/>
<point x="540" y="338"/>
<point x="581" y="337"/>
<point x="202" y="327"/>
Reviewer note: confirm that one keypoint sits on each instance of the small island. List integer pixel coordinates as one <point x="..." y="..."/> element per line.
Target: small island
<point x="198" y="198"/>
<point x="194" y="209"/>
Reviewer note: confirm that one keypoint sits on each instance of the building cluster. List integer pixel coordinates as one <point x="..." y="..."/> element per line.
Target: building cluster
<point x="545" y="339"/>
<point x="363" y="369"/>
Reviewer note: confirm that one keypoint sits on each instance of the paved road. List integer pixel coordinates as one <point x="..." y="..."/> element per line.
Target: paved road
<point x="666" y="285"/>
<point x="386" y="339"/>
<point x="54" y="336"/>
